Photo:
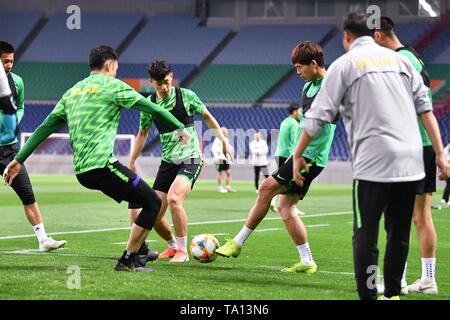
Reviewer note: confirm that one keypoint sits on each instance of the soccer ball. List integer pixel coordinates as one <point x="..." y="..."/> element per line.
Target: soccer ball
<point x="203" y="247"/>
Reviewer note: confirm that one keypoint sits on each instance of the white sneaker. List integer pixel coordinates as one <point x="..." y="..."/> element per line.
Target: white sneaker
<point x="49" y="244"/>
<point x="403" y="287"/>
<point x="221" y="189"/>
<point x="298" y="212"/>
<point x="443" y="201"/>
<point x="424" y="286"/>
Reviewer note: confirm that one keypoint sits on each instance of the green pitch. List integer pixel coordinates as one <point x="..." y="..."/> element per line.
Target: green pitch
<point x="97" y="230"/>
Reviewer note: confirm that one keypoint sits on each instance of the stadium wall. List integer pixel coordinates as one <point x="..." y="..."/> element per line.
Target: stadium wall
<point x="337" y="172"/>
<point x="149" y="7"/>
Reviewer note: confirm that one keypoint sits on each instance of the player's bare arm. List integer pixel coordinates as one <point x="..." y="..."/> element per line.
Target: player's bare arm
<point x="212" y="123"/>
<point x="138" y="146"/>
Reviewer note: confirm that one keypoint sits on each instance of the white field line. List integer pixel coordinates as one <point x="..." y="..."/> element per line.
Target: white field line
<point x="190" y="224"/>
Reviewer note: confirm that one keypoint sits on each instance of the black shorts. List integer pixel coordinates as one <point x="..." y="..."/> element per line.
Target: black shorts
<point x="222" y="166"/>
<point x="280" y="161"/>
<point x="21" y="184"/>
<point x="115" y="180"/>
<point x="167" y="173"/>
<point x="428" y="184"/>
<point x="284" y="176"/>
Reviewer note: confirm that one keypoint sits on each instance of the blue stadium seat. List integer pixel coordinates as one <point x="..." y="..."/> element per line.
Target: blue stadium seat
<point x="290" y="92"/>
<point x="268" y="44"/>
<point x="56" y="43"/>
<point x="175" y="38"/>
<point x="16" y="25"/>
<point x="333" y="49"/>
<point x="438" y="51"/>
<point x="408" y="32"/>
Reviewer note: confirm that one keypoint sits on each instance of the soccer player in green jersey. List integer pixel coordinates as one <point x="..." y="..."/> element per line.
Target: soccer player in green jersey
<point x="180" y="165"/>
<point x="287" y="138"/>
<point x="91" y="109"/>
<point x="308" y="58"/>
<point x="422" y="218"/>
<point x="8" y="150"/>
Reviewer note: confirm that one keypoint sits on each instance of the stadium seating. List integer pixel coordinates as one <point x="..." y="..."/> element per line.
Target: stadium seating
<point x="409" y="32"/>
<point x="57" y="43"/>
<point x="440" y="72"/>
<point x="15" y="26"/>
<point x="333" y="49"/>
<point x="237" y="83"/>
<point x="253" y="63"/>
<point x="438" y="51"/>
<point x="268" y="44"/>
<point x="290" y="92"/>
<point x="170" y="37"/>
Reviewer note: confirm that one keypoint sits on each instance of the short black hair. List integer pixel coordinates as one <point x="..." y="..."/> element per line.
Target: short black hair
<point x="98" y="56"/>
<point x="6" y="47"/>
<point x="158" y="69"/>
<point x="387" y="26"/>
<point x="356" y="24"/>
<point x="292" y="107"/>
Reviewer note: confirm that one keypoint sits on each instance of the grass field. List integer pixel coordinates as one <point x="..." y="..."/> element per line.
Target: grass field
<point x="97" y="229"/>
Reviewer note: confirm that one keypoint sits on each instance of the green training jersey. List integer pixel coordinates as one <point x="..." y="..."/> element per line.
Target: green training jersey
<point x="287" y="137"/>
<point x="418" y="65"/>
<point x="319" y="148"/>
<point x="173" y="150"/>
<point x="92" y="110"/>
<point x="18" y="83"/>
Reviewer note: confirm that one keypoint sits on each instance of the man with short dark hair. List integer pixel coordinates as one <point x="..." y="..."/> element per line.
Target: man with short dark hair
<point x="8" y="149"/>
<point x="422" y="218"/>
<point x="379" y="94"/>
<point x="180" y="165"/>
<point x="307" y="58"/>
<point x="91" y="109"/>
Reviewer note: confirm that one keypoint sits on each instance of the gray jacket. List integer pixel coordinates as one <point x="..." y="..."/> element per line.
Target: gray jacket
<point x="379" y="95"/>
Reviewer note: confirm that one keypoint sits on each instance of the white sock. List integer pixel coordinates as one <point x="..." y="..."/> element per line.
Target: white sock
<point x="242" y="236"/>
<point x="428" y="268"/>
<point x="220" y="187"/>
<point x="404" y="272"/>
<point x="172" y="243"/>
<point x="39" y="230"/>
<point x="228" y="187"/>
<point x="305" y="254"/>
<point x="182" y="243"/>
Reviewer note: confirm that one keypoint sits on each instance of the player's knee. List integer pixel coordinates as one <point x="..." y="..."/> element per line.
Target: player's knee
<point x="286" y="213"/>
<point x="174" y="200"/>
<point x="422" y="219"/>
<point x="265" y="189"/>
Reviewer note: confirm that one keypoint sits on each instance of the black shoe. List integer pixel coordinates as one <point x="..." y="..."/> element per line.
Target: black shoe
<point x="141" y="259"/>
<point x="121" y="266"/>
